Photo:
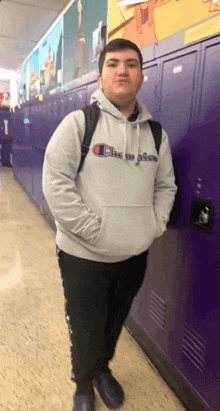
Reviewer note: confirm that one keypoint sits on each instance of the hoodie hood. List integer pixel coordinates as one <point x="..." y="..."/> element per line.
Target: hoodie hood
<point x="108" y="107"/>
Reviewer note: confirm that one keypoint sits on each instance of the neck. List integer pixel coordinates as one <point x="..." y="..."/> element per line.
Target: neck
<point x="126" y="109"/>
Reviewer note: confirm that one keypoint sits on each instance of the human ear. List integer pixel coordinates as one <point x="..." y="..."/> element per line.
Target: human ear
<point x="99" y="80"/>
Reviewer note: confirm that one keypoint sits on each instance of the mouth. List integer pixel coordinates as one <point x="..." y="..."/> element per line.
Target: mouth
<point x="122" y="81"/>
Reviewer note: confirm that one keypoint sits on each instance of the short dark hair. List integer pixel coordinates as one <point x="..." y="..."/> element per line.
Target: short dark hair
<point x="118" y="44"/>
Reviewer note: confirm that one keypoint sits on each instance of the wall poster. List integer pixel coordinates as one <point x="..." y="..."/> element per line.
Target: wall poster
<point x="84" y="37"/>
<point x="34" y="78"/>
<point x="147" y="22"/>
<point x="22" y="83"/>
<point x="50" y="62"/>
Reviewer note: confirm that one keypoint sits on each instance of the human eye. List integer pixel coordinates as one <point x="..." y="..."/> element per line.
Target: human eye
<point x="132" y="64"/>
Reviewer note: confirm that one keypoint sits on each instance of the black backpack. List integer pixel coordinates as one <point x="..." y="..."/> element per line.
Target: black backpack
<point x="92" y="115"/>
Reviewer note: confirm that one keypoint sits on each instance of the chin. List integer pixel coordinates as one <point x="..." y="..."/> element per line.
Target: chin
<point x="118" y="95"/>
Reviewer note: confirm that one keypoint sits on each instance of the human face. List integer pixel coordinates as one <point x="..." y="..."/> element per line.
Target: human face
<point x="121" y="76"/>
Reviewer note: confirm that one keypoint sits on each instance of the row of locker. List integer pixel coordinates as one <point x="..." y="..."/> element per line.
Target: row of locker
<point x="36" y="122"/>
<point x="178" y="306"/>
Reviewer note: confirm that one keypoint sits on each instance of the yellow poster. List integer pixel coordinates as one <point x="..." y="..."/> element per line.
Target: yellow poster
<point x="150" y="21"/>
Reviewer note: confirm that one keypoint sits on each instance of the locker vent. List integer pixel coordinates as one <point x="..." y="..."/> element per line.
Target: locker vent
<point x="157" y="309"/>
<point x="194" y="347"/>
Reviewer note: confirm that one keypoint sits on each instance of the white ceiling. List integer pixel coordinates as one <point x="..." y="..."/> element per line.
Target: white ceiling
<point x="22" y="25"/>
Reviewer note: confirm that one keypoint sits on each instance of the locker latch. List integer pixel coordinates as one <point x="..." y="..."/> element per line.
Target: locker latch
<point x="202" y="214"/>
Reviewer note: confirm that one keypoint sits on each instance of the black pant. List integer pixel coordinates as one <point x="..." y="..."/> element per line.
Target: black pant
<point x="98" y="298"/>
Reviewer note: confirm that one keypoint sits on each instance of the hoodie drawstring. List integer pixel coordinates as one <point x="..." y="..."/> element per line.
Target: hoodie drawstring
<point x="136" y="146"/>
<point x="125" y="143"/>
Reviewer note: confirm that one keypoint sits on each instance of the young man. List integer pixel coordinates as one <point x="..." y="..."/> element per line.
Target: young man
<point x="107" y="216"/>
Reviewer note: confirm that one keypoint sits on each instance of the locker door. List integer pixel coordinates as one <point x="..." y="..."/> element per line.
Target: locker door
<point x="38" y="124"/>
<point x="147" y="93"/>
<point x="42" y="130"/>
<point x="80" y="98"/>
<point x="176" y="86"/>
<point x="49" y="120"/>
<point x="208" y="158"/>
<point x="70" y="102"/>
<point x="47" y="127"/>
<point x="55" y="119"/>
<point x="176" y="94"/>
<point x="199" y="358"/>
<point x="62" y="110"/>
<point x="33" y="124"/>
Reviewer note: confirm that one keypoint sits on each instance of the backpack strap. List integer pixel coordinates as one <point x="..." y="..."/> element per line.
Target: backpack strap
<point x="157" y="133"/>
<point x="92" y="113"/>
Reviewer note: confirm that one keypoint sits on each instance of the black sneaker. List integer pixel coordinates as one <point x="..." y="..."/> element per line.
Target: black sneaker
<point x="109" y="390"/>
<point x="84" y="402"/>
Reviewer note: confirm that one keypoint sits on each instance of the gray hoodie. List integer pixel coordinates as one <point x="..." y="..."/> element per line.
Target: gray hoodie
<point x="122" y="198"/>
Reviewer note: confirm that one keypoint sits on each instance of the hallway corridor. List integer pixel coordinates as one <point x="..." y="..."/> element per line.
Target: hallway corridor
<point x="34" y="344"/>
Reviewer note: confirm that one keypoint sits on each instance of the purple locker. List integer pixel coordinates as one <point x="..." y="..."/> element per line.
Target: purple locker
<point x="70" y="101"/>
<point x="147" y="93"/>
<point x="45" y="110"/>
<point x="40" y="125"/>
<point x="37" y="164"/>
<point x="91" y="88"/>
<point x="35" y="121"/>
<point x="62" y="106"/>
<point x="159" y="313"/>
<point x="80" y="96"/>
<point x="56" y="117"/>
<point x="32" y="116"/>
<point x="198" y="357"/>
<point x="49" y="129"/>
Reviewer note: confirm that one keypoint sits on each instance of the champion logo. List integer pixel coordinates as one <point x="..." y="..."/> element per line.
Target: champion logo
<point x="103" y="150"/>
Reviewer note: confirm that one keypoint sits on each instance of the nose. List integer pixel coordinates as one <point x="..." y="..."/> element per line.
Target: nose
<point x="122" y="69"/>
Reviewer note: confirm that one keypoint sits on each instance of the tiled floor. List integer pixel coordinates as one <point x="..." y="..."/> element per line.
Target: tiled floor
<point x="34" y="345"/>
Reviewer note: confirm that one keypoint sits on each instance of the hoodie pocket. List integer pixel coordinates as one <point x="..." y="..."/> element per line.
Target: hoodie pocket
<point x="126" y="230"/>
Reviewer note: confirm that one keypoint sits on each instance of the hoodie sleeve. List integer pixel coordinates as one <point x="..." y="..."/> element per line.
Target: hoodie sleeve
<point x="61" y="162"/>
<point x="165" y="187"/>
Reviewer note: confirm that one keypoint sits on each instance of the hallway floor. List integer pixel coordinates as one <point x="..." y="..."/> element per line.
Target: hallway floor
<point x="34" y="344"/>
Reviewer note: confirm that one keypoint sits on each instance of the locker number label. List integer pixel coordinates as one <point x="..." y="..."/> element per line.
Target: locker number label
<point x="177" y="69"/>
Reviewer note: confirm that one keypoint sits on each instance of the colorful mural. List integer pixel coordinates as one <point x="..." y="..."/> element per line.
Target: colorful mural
<point x="22" y="82"/>
<point x="214" y="5"/>
<point x="43" y="71"/>
<point x="71" y="49"/>
<point x="148" y="22"/>
<point x="84" y="37"/>
<point x="34" y="78"/>
<point x="50" y="62"/>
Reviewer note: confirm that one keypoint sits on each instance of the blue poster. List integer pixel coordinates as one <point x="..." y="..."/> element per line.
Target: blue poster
<point x="34" y="75"/>
<point x="84" y="36"/>
<point x="50" y="60"/>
